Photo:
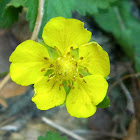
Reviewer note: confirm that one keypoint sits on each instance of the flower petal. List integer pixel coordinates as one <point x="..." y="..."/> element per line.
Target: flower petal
<point x="95" y="59"/>
<point x="82" y="100"/>
<point x="65" y="33"/>
<point x="48" y="94"/>
<point x="28" y="59"/>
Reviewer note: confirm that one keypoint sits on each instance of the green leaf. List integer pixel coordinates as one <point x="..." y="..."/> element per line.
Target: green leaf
<point x="10" y="16"/>
<point x="91" y="6"/>
<point x="8" y="13"/>
<point x="17" y="3"/>
<point x="119" y="21"/>
<point x="32" y="10"/>
<point x="105" y="103"/>
<point x="52" y="136"/>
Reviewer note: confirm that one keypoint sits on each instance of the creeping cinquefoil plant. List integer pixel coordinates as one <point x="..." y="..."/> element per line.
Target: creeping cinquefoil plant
<point x="65" y="68"/>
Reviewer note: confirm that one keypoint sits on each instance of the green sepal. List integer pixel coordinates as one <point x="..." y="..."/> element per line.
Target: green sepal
<point x="67" y="89"/>
<point x="51" y="136"/>
<point x="52" y="52"/>
<point x="50" y="71"/>
<point x="105" y="103"/>
<point x="83" y="72"/>
<point x="63" y="105"/>
<point x="107" y="77"/>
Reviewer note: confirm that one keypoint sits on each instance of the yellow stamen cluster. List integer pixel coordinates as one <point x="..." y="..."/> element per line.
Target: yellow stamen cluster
<point x="65" y="68"/>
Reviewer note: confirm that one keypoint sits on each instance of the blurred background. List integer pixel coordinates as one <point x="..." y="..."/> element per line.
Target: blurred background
<point x="115" y="25"/>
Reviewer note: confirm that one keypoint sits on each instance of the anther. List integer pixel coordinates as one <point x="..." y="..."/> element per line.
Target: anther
<point x="81" y="58"/>
<point x="71" y="48"/>
<point x="55" y="48"/>
<point x="46" y="58"/>
<point x="81" y="76"/>
<point x="61" y="85"/>
<point x="74" y="79"/>
<point x="86" y="69"/>
<point x="68" y="53"/>
<point x="48" y="80"/>
<point x="84" y="81"/>
<point x="65" y="74"/>
<point x="72" y="87"/>
<point x="51" y="65"/>
<point x="51" y="75"/>
<point x="44" y="69"/>
<point x="76" y="64"/>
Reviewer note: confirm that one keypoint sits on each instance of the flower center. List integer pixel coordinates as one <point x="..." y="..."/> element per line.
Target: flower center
<point x="65" y="68"/>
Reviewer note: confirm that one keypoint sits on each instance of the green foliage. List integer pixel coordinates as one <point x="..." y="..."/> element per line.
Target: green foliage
<point x="32" y="9"/>
<point x="8" y="13"/>
<point x="119" y="21"/>
<point x="52" y="136"/>
<point x="105" y="103"/>
<point x="17" y="3"/>
<point x="91" y="6"/>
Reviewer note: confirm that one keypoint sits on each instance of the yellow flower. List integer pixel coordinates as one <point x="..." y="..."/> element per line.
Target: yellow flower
<point x="32" y="63"/>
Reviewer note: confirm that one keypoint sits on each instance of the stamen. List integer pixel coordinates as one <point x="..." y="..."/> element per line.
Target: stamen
<point x="55" y="48"/>
<point x="84" y="81"/>
<point x="81" y="76"/>
<point x="44" y="69"/>
<point x="74" y="79"/>
<point x="51" y="75"/>
<point x="76" y="64"/>
<point x="51" y="65"/>
<point x="48" y="80"/>
<point x="72" y="87"/>
<point x="46" y="58"/>
<point x="68" y="53"/>
<point x="71" y="48"/>
<point x="61" y="85"/>
<point x="81" y="58"/>
<point x="86" y="69"/>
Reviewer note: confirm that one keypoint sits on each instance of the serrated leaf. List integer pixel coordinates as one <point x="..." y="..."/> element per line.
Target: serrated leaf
<point x="52" y="136"/>
<point x="32" y="9"/>
<point x="91" y="6"/>
<point x="105" y="103"/>
<point x="17" y="3"/>
<point x="119" y="21"/>
<point x="3" y="4"/>
<point x="10" y="16"/>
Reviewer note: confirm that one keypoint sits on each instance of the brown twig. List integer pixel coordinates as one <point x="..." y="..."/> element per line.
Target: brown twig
<point x="33" y="37"/>
<point x="38" y="20"/>
<point x="130" y="104"/>
<point x="131" y="130"/>
<point x="99" y="133"/>
<point x="4" y="81"/>
<point x="62" y="129"/>
<point x="124" y="78"/>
